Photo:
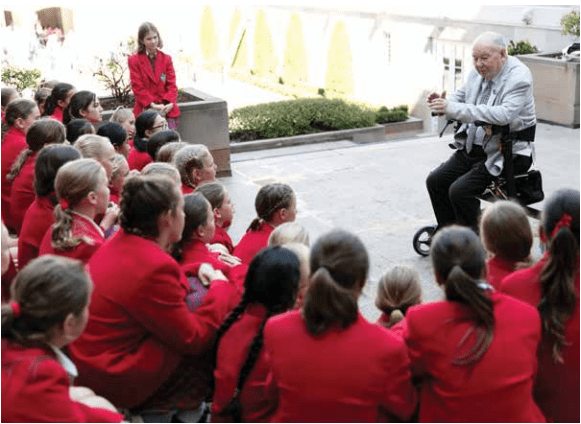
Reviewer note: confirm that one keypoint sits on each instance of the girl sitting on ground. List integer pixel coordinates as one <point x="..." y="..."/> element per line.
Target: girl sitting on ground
<point x="167" y="152"/>
<point x="39" y="217"/>
<point x="163" y="168"/>
<point x="118" y="175"/>
<point x="42" y="132"/>
<point x="78" y="127"/>
<point x="124" y="117"/>
<point x="507" y="235"/>
<point x="81" y="187"/>
<point x="223" y="211"/>
<point x="116" y="135"/>
<point x="552" y="286"/>
<point x="398" y="289"/>
<point x="147" y="123"/>
<point x="196" y="166"/>
<point x="160" y="139"/>
<point x="48" y="309"/>
<point x="241" y="371"/>
<point x="59" y="98"/>
<point x="289" y="232"/>
<point x="98" y="148"/>
<point x="275" y="204"/>
<point x="84" y="104"/>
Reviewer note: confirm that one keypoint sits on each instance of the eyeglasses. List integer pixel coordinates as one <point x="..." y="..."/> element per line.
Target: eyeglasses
<point x="163" y="126"/>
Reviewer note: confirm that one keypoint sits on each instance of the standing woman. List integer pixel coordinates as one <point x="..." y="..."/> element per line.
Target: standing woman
<point x="552" y="286"/>
<point x="338" y="367"/>
<point x="58" y="100"/>
<point x="153" y="78"/>
<point x="475" y="351"/>
<point x="84" y="104"/>
<point x="20" y="114"/>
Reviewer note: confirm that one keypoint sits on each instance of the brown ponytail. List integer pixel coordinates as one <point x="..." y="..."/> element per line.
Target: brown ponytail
<point x="558" y="294"/>
<point x="459" y="261"/>
<point x="398" y="289"/>
<point x="269" y="199"/>
<point x="339" y="267"/>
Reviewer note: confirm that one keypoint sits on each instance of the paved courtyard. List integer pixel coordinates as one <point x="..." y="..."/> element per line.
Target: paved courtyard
<point x="378" y="192"/>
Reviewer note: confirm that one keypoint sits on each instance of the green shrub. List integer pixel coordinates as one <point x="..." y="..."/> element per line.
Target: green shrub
<point x="396" y="114"/>
<point x="295" y="55"/>
<point x="339" y="76"/>
<point x="21" y="79"/>
<point x="208" y="36"/>
<point x="570" y="23"/>
<point x="521" y="47"/>
<point x="295" y="117"/>
<point x="264" y="57"/>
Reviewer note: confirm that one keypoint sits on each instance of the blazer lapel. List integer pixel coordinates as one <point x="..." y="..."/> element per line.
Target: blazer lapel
<point x="146" y="64"/>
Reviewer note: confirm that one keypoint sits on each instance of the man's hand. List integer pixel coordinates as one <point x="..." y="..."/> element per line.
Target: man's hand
<point x="437" y="103"/>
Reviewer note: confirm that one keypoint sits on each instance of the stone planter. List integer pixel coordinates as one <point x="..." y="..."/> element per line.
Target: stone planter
<point x="556" y="88"/>
<point x="204" y="121"/>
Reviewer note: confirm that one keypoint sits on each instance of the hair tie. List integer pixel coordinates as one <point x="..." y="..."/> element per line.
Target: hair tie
<point x="16" y="309"/>
<point x="565" y="221"/>
<point x="64" y="204"/>
<point x="396" y="316"/>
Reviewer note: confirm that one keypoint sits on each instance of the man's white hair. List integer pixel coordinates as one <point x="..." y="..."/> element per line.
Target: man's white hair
<point x="493" y="38"/>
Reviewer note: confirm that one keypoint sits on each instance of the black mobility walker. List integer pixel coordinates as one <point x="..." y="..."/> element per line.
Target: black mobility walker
<point x="525" y="189"/>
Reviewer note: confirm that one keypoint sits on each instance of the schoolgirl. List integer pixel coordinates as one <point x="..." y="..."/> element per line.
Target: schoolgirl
<point x="339" y="367"/>
<point x="552" y="286"/>
<point x="241" y="371"/>
<point x="275" y="204"/>
<point x="116" y="135"/>
<point x="48" y="310"/>
<point x="78" y="127"/>
<point x="223" y="211"/>
<point x="475" y="349"/>
<point x="289" y="232"/>
<point x="83" y="104"/>
<point x="81" y="187"/>
<point x="147" y="123"/>
<point x="40" y="97"/>
<point x="398" y="290"/>
<point x="160" y="139"/>
<point x="167" y="152"/>
<point x="20" y="115"/>
<point x="126" y="119"/>
<point x="8" y="94"/>
<point x="98" y="148"/>
<point x="196" y="166"/>
<point x="507" y="235"/>
<point x="42" y="132"/>
<point x="163" y="168"/>
<point x="118" y="175"/>
<point x="58" y="100"/>
<point x="39" y="216"/>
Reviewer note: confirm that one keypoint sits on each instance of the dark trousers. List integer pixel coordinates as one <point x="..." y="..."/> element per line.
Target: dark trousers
<point x="454" y="185"/>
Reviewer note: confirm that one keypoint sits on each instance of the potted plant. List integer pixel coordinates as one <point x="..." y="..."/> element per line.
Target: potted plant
<point x="203" y="119"/>
<point x="556" y="80"/>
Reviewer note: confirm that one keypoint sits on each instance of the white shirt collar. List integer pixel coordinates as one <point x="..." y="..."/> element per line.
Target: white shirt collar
<point x="65" y="361"/>
<point x="99" y="229"/>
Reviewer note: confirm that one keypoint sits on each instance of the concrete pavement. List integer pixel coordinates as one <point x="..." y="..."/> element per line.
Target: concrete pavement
<point x="378" y="192"/>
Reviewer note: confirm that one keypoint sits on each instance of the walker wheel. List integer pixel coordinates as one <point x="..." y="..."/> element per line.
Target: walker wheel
<point x="423" y="239"/>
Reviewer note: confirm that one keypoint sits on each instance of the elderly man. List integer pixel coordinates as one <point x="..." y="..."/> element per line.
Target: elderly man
<point x="499" y="91"/>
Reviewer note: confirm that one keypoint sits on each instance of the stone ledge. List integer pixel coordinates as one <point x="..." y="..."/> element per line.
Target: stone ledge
<point x="378" y="133"/>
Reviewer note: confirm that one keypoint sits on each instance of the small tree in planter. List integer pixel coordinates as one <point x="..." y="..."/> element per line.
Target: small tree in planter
<point x="114" y="73"/>
<point x="521" y="47"/>
<point x="570" y="23"/>
<point x="21" y="79"/>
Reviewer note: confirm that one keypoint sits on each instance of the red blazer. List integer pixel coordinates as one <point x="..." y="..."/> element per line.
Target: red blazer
<point x="7" y="278"/>
<point x="37" y="220"/>
<point x="497" y="269"/>
<point x="114" y="195"/>
<point x="13" y="142"/>
<point x="82" y="226"/>
<point x="256" y="397"/>
<point x="398" y="329"/>
<point x="158" y="87"/>
<point x="497" y="388"/>
<point x="221" y="236"/>
<point x="186" y="189"/>
<point x="138" y="160"/>
<point x="139" y="325"/>
<point x="35" y="388"/>
<point x="22" y="194"/>
<point x="557" y="385"/>
<point x="343" y="375"/>
<point x="252" y="242"/>
<point x="57" y="114"/>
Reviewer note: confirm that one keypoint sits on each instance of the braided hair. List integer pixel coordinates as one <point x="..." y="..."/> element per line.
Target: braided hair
<point x="269" y="199"/>
<point x="272" y="281"/>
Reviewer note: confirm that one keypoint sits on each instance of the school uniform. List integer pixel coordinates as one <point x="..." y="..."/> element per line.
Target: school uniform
<point x="82" y="226"/>
<point x="398" y="328"/>
<point x="557" y="384"/>
<point x="342" y="375"/>
<point x="7" y="278"/>
<point x="57" y="114"/>
<point x="22" y="194"/>
<point x="138" y="160"/>
<point x="256" y="396"/>
<point x="139" y="327"/>
<point x="222" y="237"/>
<point x="148" y="85"/>
<point x="497" y="269"/>
<point x="35" y="388"/>
<point x="114" y="195"/>
<point x="37" y="221"/>
<point x="252" y="242"/>
<point x="186" y="189"/>
<point x="13" y="142"/>
<point x="496" y="388"/>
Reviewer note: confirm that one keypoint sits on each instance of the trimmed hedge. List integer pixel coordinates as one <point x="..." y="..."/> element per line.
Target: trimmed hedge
<point x="303" y="116"/>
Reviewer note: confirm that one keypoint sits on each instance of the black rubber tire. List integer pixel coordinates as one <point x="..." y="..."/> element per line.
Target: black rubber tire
<point x="423" y="239"/>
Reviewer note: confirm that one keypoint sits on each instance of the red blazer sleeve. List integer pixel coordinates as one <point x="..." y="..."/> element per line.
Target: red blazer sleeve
<point x="171" y="89"/>
<point x="45" y="397"/>
<point x="137" y="77"/>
